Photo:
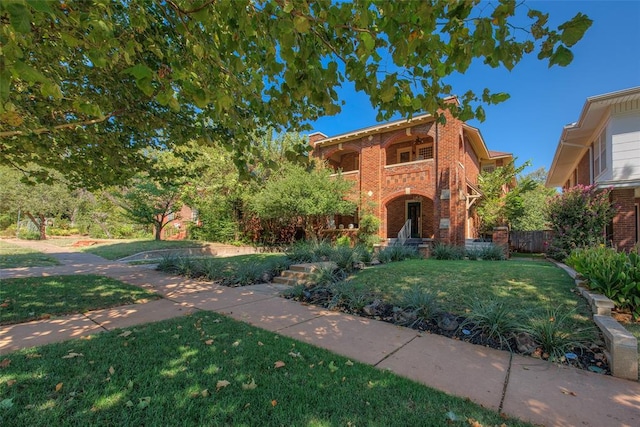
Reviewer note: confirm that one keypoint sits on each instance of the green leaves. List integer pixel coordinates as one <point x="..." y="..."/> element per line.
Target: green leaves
<point x="562" y="56"/>
<point x="574" y="30"/>
<point x="19" y="16"/>
<point x="238" y="69"/>
<point x="139" y="71"/>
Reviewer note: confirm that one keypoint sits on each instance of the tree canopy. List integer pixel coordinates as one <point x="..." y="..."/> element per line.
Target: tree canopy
<point x="87" y="87"/>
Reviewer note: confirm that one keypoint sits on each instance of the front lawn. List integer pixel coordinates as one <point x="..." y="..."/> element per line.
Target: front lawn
<point x="127" y="248"/>
<point x="12" y="256"/>
<point x="519" y="284"/>
<point x="22" y="300"/>
<point x="209" y="370"/>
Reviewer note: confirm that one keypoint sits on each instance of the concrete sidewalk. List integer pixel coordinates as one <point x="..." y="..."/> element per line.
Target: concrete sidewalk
<point x="527" y="388"/>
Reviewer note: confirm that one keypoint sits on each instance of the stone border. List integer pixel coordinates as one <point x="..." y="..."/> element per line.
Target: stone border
<point x="622" y="346"/>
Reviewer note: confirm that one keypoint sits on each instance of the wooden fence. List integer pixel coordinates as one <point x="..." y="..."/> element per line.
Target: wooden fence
<point x="529" y="241"/>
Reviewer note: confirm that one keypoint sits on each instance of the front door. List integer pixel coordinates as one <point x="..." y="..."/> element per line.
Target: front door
<point x="413" y="214"/>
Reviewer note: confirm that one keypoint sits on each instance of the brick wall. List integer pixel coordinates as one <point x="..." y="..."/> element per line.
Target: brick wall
<point x="624" y="223"/>
<point x="584" y="170"/>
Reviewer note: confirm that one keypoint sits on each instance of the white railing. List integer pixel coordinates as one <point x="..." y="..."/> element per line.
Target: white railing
<point x="404" y="233"/>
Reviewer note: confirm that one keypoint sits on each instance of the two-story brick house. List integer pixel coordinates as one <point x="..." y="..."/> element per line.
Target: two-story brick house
<point x="603" y="148"/>
<point x="417" y="170"/>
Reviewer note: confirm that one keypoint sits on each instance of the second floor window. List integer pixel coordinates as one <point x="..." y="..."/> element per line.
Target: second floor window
<point x="600" y="154"/>
<point x="424" y="152"/>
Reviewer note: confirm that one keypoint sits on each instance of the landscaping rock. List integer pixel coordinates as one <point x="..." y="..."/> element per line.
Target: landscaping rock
<point x="526" y="344"/>
<point x="376" y="308"/>
<point x="448" y="322"/>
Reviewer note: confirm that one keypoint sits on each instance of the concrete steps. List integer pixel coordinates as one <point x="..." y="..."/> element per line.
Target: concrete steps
<point x="301" y="274"/>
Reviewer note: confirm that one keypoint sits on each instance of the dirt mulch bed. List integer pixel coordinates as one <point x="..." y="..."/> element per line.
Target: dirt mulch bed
<point x="457" y="327"/>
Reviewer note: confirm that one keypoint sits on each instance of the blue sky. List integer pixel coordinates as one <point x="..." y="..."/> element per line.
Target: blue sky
<point x="543" y="99"/>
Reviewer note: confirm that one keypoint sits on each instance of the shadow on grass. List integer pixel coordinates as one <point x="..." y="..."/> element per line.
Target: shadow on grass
<point x="115" y="251"/>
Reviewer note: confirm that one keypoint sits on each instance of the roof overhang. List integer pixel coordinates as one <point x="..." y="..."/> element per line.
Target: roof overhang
<point x="372" y="130"/>
<point x="479" y="147"/>
<point x="576" y="138"/>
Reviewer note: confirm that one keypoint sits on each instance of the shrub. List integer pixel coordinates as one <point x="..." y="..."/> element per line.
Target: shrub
<point x="556" y="334"/>
<point x="345" y="258"/>
<point x="421" y="302"/>
<point x="492" y="253"/>
<point x="614" y="274"/>
<point x="368" y="230"/>
<point x="397" y="253"/>
<point x="494" y="320"/>
<point x="442" y="251"/>
<point x="326" y="276"/>
<point x="578" y="218"/>
<point x="343" y="241"/>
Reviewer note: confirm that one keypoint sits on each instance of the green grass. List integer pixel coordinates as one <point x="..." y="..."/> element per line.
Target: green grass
<point x="173" y="373"/>
<point x="130" y="247"/>
<point x="12" y="256"/>
<point x="531" y="286"/>
<point x="41" y="297"/>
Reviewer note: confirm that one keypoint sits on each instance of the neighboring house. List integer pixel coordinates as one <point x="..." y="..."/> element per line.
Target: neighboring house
<point x="414" y="170"/>
<point x="603" y="148"/>
<point x="178" y="223"/>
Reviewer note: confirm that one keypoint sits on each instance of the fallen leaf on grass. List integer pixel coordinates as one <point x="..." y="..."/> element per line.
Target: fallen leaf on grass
<point x="58" y="386"/>
<point x="274" y="402"/>
<point x="473" y="423"/>
<point x="112" y="371"/>
<point x="294" y="354"/>
<point x="208" y="342"/>
<point x="278" y="364"/>
<point x="5" y="363"/>
<point x="11" y="382"/>
<point x="125" y="334"/>
<point x="143" y="402"/>
<point x="332" y="367"/>
<point x="250" y="386"/>
<point x="260" y="343"/>
<point x="222" y="384"/>
<point x="205" y="393"/>
<point x="71" y="355"/>
<point x="348" y="363"/>
<point x="235" y="344"/>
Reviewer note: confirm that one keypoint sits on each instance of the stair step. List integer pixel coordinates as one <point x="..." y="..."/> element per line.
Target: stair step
<point x="285" y="281"/>
<point x="295" y="274"/>
<point x="312" y="266"/>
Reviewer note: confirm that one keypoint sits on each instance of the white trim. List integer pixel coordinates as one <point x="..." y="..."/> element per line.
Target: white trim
<point x="407" y="163"/>
<point x="355" y="172"/>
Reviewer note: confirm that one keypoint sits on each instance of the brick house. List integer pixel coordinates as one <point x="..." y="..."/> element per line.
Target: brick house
<point x="603" y="148"/>
<point x="414" y="170"/>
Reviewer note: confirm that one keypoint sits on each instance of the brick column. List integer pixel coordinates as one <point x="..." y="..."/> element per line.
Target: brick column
<point x="624" y="223"/>
<point x="501" y="238"/>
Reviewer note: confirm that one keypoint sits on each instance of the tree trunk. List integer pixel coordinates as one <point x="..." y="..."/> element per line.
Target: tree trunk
<point x="158" y="230"/>
<point x="41" y="224"/>
<point x="43" y="227"/>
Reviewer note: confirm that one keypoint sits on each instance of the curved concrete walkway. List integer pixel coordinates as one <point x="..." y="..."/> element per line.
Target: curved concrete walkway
<point x="527" y="388"/>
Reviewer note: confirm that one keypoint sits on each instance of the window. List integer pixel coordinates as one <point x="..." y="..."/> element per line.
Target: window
<point x="488" y="167"/>
<point x="424" y="151"/>
<point x="404" y="155"/>
<point x="600" y="154"/>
